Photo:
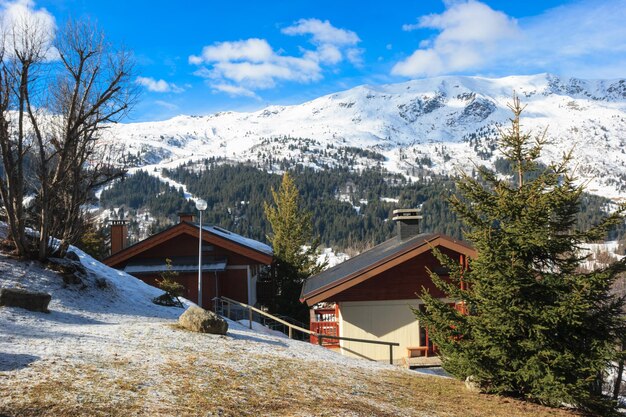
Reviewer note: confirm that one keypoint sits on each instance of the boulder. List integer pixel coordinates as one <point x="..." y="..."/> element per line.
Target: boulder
<point x="33" y="301"/>
<point x="199" y="320"/>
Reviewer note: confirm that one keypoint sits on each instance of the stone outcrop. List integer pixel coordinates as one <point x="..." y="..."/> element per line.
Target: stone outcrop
<point x="199" y="320"/>
<point x="33" y="301"/>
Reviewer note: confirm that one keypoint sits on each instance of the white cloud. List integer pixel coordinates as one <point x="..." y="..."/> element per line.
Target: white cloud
<point x="243" y="66"/>
<point x="252" y="64"/>
<point x="468" y="31"/>
<point x="322" y="32"/>
<point x="158" y="86"/>
<point x="584" y="38"/>
<point x="355" y="56"/>
<point x="166" y="104"/>
<point x="253" y="50"/>
<point x="20" y="20"/>
<point x="234" y="90"/>
<point x="331" y="43"/>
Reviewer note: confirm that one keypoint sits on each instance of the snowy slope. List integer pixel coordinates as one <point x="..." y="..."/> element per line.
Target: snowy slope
<point x="105" y="344"/>
<point x="100" y="315"/>
<point x="420" y="126"/>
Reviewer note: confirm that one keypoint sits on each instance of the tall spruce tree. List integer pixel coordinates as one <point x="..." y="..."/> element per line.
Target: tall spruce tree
<point x="538" y="326"/>
<point x="294" y="247"/>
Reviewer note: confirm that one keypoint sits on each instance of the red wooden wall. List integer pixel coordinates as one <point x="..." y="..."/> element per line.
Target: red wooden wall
<point x="398" y="283"/>
<point x="232" y="283"/>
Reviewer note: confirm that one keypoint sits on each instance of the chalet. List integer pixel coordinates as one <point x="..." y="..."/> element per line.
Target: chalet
<point x="230" y="263"/>
<point x="371" y="295"/>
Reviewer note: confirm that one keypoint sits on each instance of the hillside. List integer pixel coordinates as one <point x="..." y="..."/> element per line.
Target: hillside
<point x="105" y="349"/>
<point x="416" y="128"/>
<point x="350" y="209"/>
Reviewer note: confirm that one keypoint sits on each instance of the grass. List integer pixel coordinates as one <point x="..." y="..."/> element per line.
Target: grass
<point x="195" y="384"/>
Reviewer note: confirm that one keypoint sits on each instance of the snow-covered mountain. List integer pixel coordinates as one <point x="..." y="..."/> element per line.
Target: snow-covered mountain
<point x="416" y="127"/>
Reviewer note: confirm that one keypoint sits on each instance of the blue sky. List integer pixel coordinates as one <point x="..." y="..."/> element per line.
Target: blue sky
<point x="199" y="57"/>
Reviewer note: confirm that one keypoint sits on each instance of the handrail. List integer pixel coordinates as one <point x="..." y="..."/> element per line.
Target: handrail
<point x="266" y="314"/>
<point x="291" y="327"/>
<point x="351" y="339"/>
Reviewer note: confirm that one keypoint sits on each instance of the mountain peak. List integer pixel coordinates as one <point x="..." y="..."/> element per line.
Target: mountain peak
<point x="449" y="121"/>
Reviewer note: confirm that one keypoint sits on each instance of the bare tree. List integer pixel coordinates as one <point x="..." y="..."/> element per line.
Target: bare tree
<point x="93" y="87"/>
<point x="61" y="114"/>
<point x="23" y="49"/>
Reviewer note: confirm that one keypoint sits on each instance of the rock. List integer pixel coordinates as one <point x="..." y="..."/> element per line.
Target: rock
<point x="72" y="257"/>
<point x="33" y="301"/>
<point x="471" y="384"/>
<point x="70" y="268"/>
<point x="199" y="320"/>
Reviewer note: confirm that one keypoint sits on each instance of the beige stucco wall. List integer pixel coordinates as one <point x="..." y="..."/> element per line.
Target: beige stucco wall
<point x="391" y="321"/>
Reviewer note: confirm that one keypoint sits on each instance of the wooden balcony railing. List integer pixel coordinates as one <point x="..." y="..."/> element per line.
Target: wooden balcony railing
<point x="327" y="328"/>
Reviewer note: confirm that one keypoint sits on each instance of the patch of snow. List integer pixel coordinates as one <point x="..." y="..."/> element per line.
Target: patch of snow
<point x="329" y="256"/>
<point x="112" y="316"/>
<point x="251" y="243"/>
<point x="258" y="327"/>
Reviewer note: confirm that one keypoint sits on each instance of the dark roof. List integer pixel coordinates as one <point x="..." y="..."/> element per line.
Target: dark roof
<point x="238" y="239"/>
<point x="367" y="260"/>
<point x="362" y="261"/>
<point x="255" y="250"/>
<point x="178" y="264"/>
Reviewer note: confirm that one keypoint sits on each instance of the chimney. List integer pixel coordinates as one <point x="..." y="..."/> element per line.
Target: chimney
<point x="185" y="217"/>
<point x="408" y="222"/>
<point x="119" y="235"/>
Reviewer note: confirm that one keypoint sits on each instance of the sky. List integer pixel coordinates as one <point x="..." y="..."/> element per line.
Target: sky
<point x="200" y="57"/>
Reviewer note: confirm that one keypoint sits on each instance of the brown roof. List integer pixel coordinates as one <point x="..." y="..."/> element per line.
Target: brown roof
<point x="373" y="262"/>
<point x="247" y="247"/>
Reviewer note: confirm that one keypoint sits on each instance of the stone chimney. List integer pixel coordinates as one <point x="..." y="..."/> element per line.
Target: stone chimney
<point x="119" y="235"/>
<point x="408" y="222"/>
<point x="185" y="217"/>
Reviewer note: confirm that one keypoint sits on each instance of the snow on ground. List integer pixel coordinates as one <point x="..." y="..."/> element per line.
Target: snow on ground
<point x="106" y="350"/>
<point x="114" y="315"/>
<point x="157" y="172"/>
<point x="331" y="257"/>
<point x="258" y="327"/>
<point x="601" y="253"/>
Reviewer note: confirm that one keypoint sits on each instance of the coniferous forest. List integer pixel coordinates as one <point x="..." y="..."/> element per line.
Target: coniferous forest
<point x="351" y="209"/>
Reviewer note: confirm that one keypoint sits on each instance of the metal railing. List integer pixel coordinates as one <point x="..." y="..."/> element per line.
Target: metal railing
<point x="231" y="308"/>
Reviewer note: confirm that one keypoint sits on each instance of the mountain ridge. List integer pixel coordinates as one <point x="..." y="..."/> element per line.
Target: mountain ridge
<point x="417" y="128"/>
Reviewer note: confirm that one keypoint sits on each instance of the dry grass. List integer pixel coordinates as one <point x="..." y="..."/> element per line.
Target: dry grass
<point x="192" y="385"/>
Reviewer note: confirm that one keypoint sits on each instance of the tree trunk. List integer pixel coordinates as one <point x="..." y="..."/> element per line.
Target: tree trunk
<point x="618" y="377"/>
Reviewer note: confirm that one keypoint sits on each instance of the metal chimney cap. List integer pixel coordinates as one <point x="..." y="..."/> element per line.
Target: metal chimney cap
<point x="406" y="214"/>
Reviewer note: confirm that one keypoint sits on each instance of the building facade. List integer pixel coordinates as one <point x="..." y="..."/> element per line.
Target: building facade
<point x="372" y="296"/>
<point x="231" y="263"/>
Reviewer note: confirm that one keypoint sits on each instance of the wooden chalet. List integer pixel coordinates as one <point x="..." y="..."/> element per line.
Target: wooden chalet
<point x="230" y="262"/>
<point x="371" y="295"/>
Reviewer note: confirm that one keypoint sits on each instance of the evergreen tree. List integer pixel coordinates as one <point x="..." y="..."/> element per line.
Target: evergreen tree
<point x="172" y="288"/>
<point x="93" y="240"/>
<point x="294" y="248"/>
<point x="538" y="327"/>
